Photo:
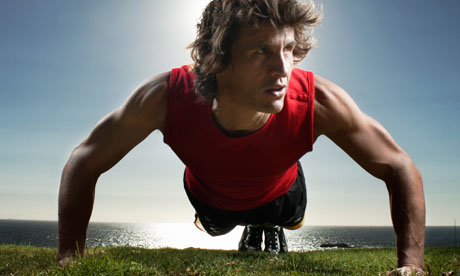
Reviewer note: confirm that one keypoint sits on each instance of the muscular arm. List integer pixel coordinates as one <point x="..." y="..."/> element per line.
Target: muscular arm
<point x="112" y="138"/>
<point x="372" y="147"/>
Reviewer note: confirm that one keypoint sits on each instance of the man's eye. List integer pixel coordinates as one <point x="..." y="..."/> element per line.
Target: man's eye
<point x="261" y="51"/>
<point x="289" y="48"/>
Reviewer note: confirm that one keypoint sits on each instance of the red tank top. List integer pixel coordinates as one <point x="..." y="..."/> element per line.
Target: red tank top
<point x="245" y="172"/>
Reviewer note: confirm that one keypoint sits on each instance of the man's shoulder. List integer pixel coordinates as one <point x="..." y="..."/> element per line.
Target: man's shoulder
<point x="328" y="93"/>
<point x="147" y="104"/>
<point x="334" y="108"/>
<point x="154" y="88"/>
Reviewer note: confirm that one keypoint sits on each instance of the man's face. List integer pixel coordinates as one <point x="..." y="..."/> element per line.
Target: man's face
<point x="258" y="74"/>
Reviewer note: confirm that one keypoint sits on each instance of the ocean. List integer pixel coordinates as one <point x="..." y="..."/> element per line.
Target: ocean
<point x="180" y="235"/>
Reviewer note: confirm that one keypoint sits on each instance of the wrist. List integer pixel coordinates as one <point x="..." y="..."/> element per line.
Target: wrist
<point x="412" y="256"/>
<point x="70" y="248"/>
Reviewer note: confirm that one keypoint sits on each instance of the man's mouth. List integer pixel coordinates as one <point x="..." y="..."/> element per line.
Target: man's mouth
<point x="277" y="90"/>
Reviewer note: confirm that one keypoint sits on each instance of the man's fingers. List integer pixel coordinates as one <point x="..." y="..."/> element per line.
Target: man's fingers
<point x="67" y="261"/>
<point x="406" y="271"/>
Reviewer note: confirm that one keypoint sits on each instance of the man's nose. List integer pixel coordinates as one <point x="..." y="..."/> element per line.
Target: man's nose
<point x="279" y="66"/>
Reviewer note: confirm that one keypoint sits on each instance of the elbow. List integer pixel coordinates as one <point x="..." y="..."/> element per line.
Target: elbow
<point x="402" y="171"/>
<point x="81" y="160"/>
<point x="79" y="171"/>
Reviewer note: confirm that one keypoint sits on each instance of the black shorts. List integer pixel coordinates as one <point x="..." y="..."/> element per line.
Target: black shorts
<point x="287" y="210"/>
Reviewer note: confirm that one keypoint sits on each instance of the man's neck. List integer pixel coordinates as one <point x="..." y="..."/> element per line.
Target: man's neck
<point x="237" y="119"/>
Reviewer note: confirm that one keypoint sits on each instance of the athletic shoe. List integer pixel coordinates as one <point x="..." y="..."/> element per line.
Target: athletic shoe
<point x="251" y="239"/>
<point x="275" y="241"/>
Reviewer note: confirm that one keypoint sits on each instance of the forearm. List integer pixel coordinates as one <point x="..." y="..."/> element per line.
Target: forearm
<point x="408" y="215"/>
<point x="76" y="197"/>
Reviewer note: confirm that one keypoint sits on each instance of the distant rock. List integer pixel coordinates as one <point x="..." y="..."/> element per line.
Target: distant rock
<point x="335" y="245"/>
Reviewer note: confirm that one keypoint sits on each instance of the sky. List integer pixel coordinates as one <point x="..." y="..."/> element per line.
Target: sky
<point x="64" y="65"/>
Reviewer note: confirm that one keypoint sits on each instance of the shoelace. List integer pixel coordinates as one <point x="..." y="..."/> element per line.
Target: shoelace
<point x="254" y="236"/>
<point x="272" y="239"/>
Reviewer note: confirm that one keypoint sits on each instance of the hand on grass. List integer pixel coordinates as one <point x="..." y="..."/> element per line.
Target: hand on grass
<point x="68" y="260"/>
<point x="406" y="271"/>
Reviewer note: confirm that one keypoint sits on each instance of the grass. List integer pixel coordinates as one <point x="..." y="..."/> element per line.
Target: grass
<point x="27" y="260"/>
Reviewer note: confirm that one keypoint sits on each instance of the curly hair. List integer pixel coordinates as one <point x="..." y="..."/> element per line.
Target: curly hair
<point x="221" y="21"/>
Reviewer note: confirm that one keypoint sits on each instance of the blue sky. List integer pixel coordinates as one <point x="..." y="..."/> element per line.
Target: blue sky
<point x="64" y="65"/>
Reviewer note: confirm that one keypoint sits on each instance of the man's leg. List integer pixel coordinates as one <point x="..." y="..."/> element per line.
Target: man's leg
<point x="211" y="220"/>
<point x="286" y="211"/>
<point x="219" y="222"/>
<point x="212" y="226"/>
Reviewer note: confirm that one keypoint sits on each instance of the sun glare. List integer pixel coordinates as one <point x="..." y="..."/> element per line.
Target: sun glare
<point x="181" y="235"/>
<point x="196" y="8"/>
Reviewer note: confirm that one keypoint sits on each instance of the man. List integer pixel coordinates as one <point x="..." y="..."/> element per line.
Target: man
<point x="240" y="118"/>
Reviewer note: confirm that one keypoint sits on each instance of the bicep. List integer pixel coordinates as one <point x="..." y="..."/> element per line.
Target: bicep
<point x="364" y="139"/>
<point x="109" y="141"/>
<point x="371" y="146"/>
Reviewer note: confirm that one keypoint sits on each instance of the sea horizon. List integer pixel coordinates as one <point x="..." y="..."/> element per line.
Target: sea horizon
<point x="184" y="235"/>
